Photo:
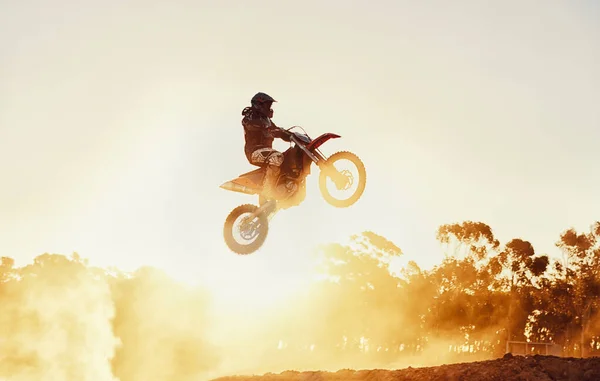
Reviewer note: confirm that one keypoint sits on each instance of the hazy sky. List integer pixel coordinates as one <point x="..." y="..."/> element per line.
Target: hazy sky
<point x="120" y="119"/>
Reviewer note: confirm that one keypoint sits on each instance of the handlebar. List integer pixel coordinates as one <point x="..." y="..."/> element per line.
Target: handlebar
<point x="303" y="130"/>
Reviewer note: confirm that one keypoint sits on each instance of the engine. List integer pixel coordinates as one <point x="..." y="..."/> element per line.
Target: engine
<point x="296" y="191"/>
<point x="291" y="184"/>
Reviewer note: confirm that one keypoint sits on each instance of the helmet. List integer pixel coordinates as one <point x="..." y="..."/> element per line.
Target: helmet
<point x="262" y="102"/>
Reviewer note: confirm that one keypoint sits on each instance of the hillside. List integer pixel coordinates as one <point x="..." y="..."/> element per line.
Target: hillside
<point x="534" y="368"/>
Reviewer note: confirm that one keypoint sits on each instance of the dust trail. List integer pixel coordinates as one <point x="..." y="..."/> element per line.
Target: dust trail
<point x="61" y="320"/>
<point x="55" y="323"/>
<point x="163" y="325"/>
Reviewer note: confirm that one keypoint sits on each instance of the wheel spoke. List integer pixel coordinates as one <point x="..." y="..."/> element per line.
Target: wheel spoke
<point x="245" y="234"/>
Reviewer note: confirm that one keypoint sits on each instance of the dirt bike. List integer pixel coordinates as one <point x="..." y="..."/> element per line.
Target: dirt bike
<point x="252" y="222"/>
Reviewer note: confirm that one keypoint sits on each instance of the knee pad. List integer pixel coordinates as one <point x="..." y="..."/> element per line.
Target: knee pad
<point x="275" y="159"/>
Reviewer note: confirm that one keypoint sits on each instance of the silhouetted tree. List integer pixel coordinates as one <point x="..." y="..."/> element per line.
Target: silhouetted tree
<point x="152" y="327"/>
<point x="581" y="279"/>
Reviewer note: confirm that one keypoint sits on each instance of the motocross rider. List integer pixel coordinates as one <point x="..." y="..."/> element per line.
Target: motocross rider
<point x="259" y="132"/>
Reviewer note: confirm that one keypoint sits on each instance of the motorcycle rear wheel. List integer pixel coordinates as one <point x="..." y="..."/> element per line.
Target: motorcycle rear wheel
<point x="258" y="229"/>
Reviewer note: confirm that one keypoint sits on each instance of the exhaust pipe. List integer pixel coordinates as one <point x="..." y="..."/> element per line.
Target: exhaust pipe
<point x="234" y="187"/>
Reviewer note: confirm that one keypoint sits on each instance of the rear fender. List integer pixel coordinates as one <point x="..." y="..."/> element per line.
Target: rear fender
<point x="244" y="184"/>
<point x="317" y="142"/>
<point x="235" y="187"/>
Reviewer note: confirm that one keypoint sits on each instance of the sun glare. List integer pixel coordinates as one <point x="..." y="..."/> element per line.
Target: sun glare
<point x="253" y="284"/>
<point x="262" y="280"/>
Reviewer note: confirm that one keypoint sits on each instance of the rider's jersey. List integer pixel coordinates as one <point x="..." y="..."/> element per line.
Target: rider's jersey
<point x="258" y="132"/>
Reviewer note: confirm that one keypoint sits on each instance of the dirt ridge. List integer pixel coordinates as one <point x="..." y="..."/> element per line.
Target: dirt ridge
<point x="522" y="368"/>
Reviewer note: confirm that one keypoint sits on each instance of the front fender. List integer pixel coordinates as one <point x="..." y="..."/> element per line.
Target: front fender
<point x="317" y="142"/>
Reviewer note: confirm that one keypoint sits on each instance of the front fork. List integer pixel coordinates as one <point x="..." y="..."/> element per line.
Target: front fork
<point x="320" y="160"/>
<point x="338" y="178"/>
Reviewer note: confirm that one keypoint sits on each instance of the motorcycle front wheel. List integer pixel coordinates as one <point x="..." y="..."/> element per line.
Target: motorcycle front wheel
<point x="253" y="232"/>
<point x="333" y="179"/>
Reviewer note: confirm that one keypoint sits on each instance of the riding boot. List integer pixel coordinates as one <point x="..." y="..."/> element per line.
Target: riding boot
<point x="271" y="176"/>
